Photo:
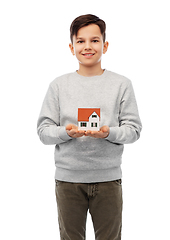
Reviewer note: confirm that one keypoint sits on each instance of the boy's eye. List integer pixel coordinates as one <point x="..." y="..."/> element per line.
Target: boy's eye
<point x="81" y="41"/>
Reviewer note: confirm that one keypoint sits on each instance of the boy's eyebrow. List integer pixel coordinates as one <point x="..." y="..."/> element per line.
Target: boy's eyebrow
<point x="80" y="38"/>
<point x="96" y="37"/>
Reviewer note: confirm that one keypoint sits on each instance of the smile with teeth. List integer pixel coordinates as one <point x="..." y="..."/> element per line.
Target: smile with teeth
<point x="88" y="54"/>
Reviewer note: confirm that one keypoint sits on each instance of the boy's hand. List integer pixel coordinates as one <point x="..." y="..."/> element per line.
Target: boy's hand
<point x="72" y="131"/>
<point x="103" y="133"/>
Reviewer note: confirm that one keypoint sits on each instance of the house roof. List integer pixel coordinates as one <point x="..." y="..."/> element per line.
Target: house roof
<point x="85" y="113"/>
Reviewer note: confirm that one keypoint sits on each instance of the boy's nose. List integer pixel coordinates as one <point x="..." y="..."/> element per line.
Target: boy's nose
<point x="87" y="46"/>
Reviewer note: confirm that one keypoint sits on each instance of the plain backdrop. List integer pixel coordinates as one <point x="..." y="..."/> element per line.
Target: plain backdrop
<point x="33" y="51"/>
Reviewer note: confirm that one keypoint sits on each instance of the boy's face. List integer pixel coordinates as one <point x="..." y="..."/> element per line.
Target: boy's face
<point x="88" y="45"/>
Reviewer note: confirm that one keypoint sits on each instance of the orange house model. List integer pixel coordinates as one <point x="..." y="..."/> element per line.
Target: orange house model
<point x="89" y="119"/>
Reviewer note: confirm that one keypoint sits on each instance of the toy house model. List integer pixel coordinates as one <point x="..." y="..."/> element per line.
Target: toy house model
<point x="89" y="119"/>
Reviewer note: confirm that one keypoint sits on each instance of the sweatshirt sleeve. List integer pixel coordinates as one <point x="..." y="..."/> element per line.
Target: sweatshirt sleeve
<point x="48" y="125"/>
<point x="130" y="125"/>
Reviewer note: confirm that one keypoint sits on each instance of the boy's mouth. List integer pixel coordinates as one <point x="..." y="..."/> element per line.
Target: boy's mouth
<point x="88" y="54"/>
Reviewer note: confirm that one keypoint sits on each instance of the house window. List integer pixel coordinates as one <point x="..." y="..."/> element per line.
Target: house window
<point x="94" y="116"/>
<point x="83" y="124"/>
<point x="93" y="124"/>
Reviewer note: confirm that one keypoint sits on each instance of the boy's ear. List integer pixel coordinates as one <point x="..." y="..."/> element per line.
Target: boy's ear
<point x="71" y="48"/>
<point x="105" y="47"/>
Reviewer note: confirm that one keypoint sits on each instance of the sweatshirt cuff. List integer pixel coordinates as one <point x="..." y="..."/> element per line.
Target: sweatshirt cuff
<point x="112" y="134"/>
<point x="63" y="135"/>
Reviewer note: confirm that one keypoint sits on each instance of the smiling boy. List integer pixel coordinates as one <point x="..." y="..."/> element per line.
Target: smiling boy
<point x="88" y="163"/>
<point x="88" y="47"/>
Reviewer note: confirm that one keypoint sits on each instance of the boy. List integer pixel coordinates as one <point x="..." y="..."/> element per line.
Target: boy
<point x="88" y="173"/>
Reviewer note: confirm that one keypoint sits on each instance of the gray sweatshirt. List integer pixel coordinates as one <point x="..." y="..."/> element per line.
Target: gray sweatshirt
<point x="88" y="159"/>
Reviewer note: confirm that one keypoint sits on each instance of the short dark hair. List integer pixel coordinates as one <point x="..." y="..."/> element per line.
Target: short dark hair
<point x="85" y="20"/>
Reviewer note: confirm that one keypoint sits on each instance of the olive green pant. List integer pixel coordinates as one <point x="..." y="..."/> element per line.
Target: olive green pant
<point x="104" y="202"/>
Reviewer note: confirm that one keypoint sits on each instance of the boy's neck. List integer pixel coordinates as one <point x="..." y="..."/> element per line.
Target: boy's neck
<point x="90" y="71"/>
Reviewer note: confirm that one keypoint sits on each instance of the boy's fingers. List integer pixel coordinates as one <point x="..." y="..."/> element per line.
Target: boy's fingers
<point x="81" y="131"/>
<point x="71" y="126"/>
<point x="104" y="129"/>
<point x="75" y="133"/>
